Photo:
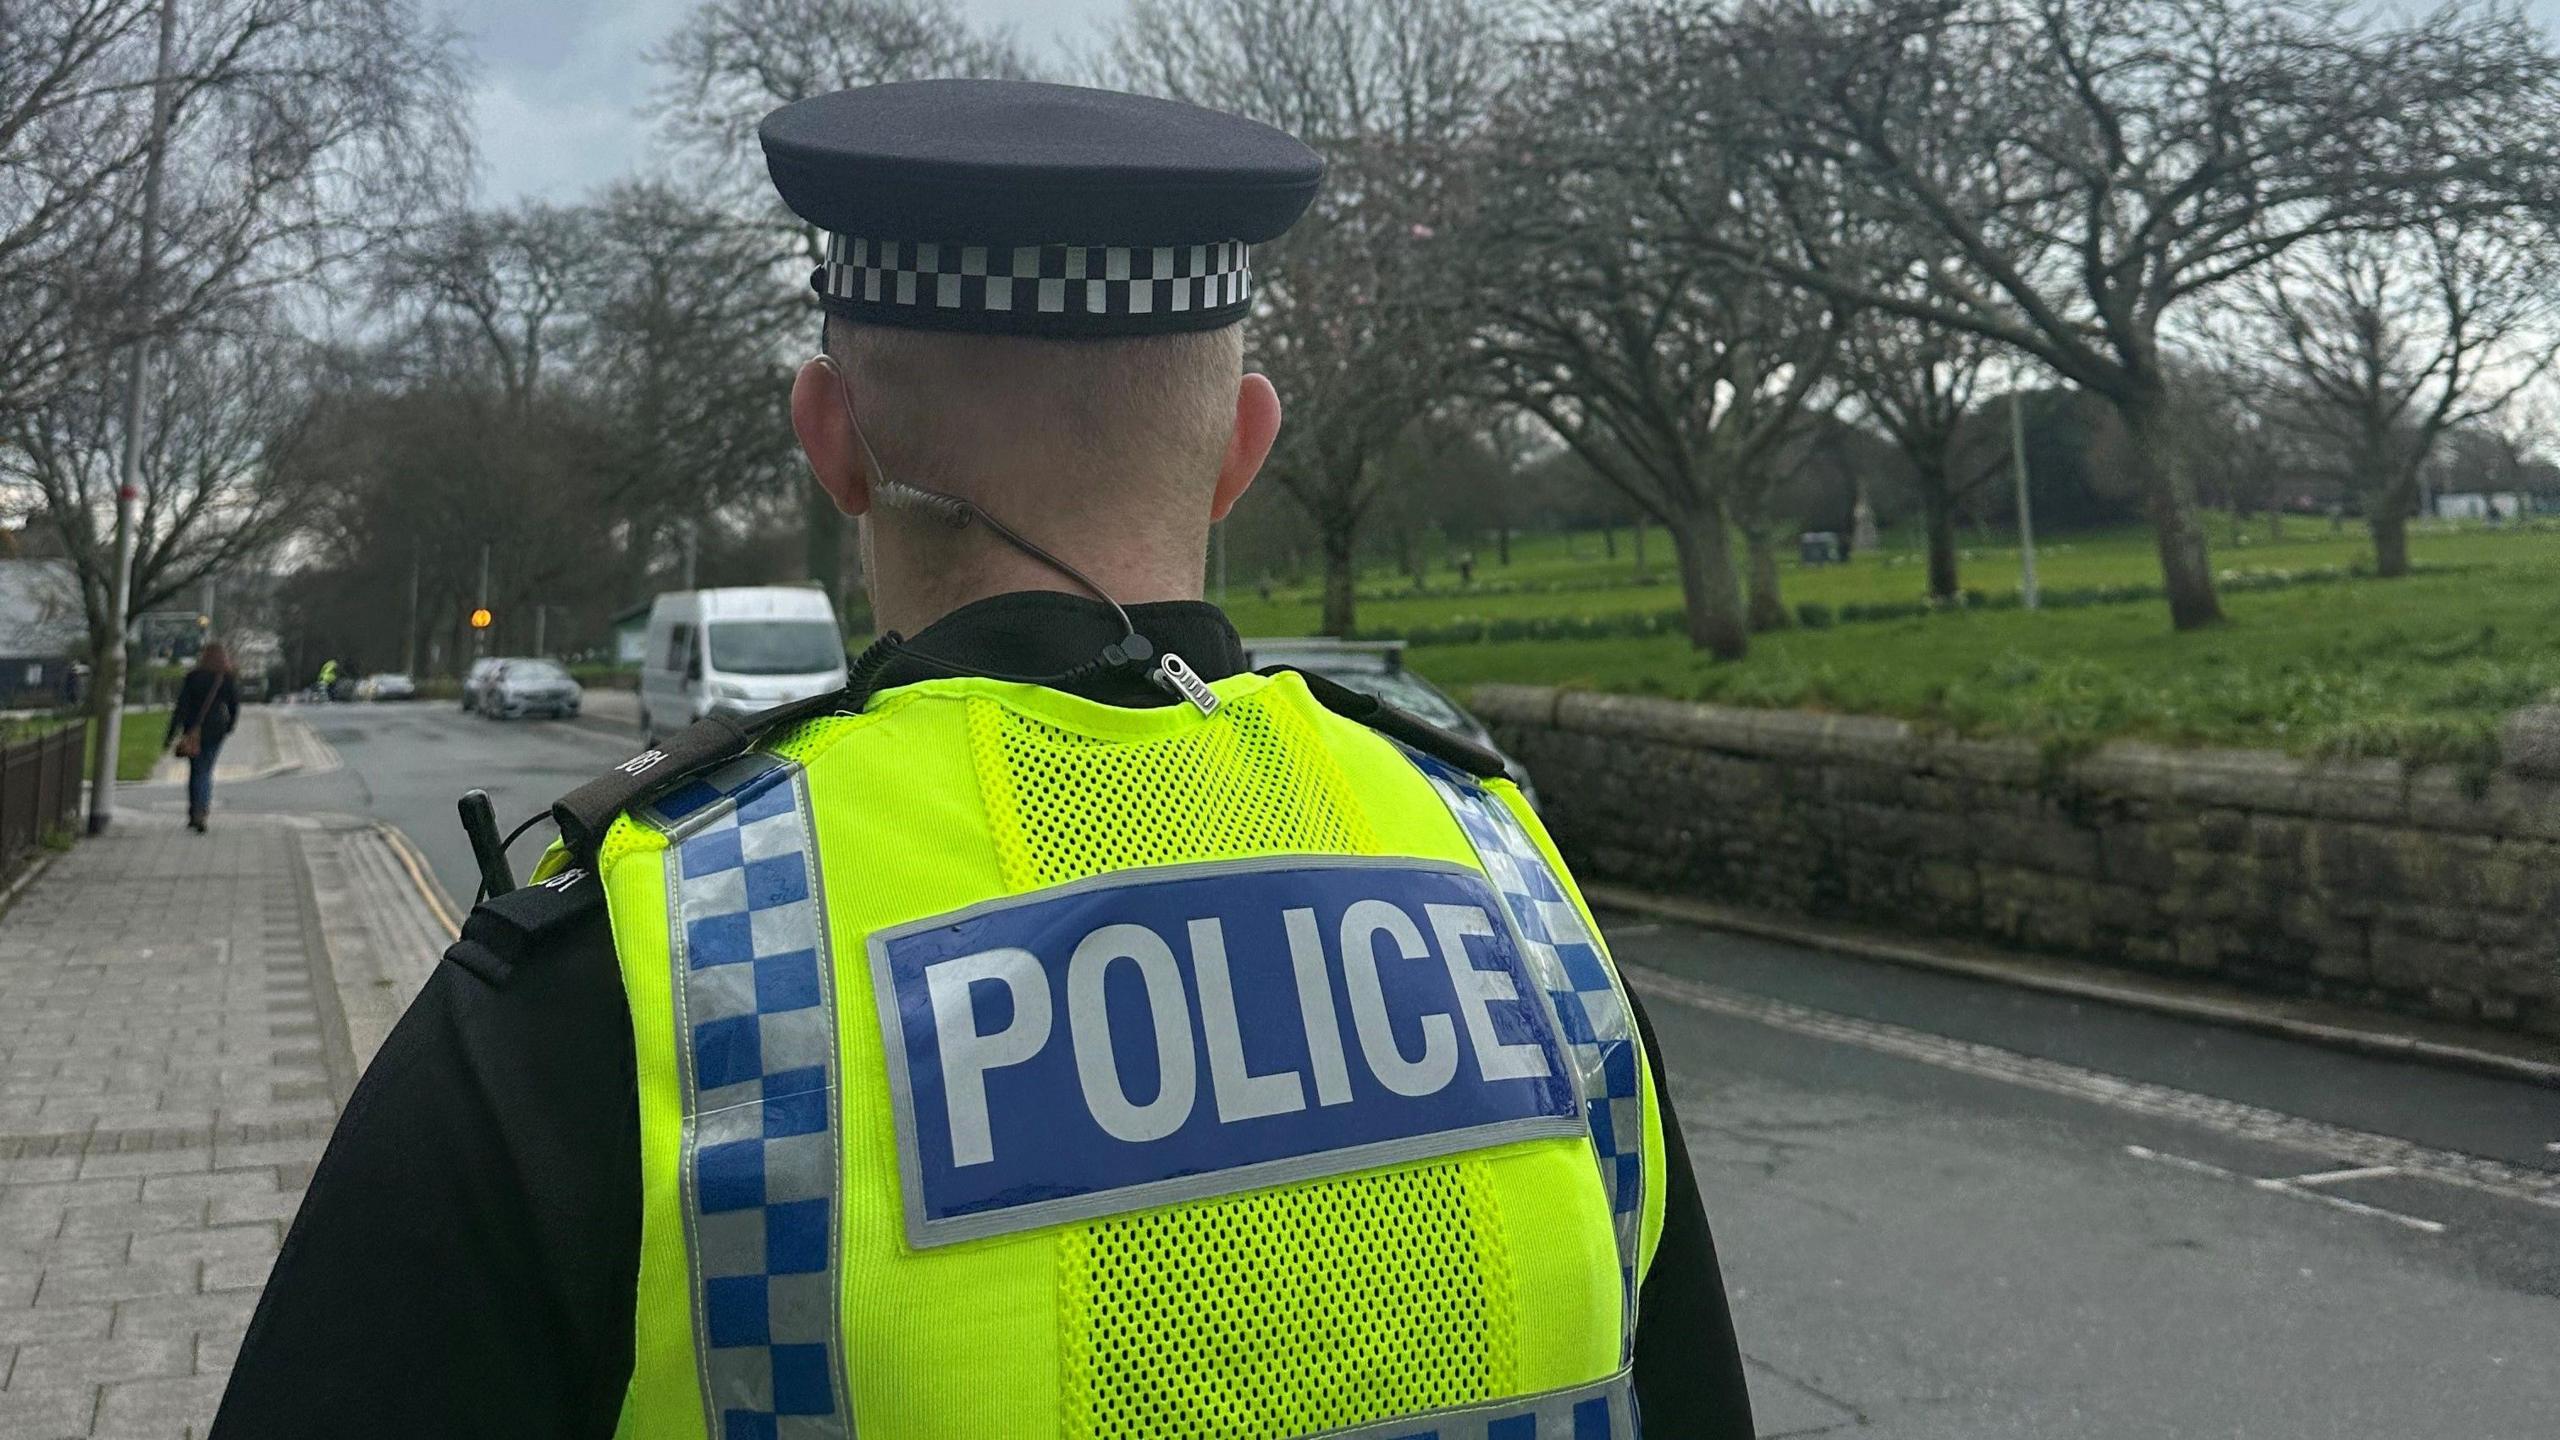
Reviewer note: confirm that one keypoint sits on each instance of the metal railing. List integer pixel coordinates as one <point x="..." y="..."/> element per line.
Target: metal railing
<point x="39" y="791"/>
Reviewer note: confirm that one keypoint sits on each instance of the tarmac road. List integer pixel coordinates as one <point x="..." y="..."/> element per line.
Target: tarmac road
<point x="1953" y="1209"/>
<point x="407" y="763"/>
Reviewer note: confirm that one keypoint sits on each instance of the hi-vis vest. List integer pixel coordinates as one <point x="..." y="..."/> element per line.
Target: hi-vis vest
<point x="1012" y="1065"/>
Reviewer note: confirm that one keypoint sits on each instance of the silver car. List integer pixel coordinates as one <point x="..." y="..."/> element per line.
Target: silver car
<point x="518" y="688"/>
<point x="475" y="679"/>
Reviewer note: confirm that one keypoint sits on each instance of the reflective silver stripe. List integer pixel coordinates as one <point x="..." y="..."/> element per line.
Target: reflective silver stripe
<point x="1602" y="1411"/>
<point x="1591" y="1011"/>
<point x="759" y="1174"/>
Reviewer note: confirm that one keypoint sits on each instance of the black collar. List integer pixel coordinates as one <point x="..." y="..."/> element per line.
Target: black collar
<point x="1049" y="633"/>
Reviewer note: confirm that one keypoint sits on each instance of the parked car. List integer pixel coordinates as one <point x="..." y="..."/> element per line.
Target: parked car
<point x="1377" y="668"/>
<point x="734" y="652"/>
<point x="474" y="678"/>
<point x="518" y="688"/>
<point x="390" y="685"/>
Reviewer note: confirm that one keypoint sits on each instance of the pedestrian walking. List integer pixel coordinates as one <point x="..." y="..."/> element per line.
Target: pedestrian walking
<point x="1062" y="1030"/>
<point x="206" y="712"/>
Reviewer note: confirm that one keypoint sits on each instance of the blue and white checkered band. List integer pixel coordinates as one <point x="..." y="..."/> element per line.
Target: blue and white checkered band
<point x="1598" y="1027"/>
<point x="1102" y="288"/>
<point x="756" y="1045"/>
<point x="1605" y="1410"/>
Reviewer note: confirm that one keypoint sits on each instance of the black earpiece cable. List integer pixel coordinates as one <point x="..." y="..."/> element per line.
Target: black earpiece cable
<point x="536" y="818"/>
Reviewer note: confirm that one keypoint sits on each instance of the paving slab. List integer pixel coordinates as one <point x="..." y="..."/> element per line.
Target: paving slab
<point x="174" y="1048"/>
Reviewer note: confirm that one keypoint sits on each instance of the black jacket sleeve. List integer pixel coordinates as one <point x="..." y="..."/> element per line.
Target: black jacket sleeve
<point x="1689" y="1381"/>
<point x="465" y="1259"/>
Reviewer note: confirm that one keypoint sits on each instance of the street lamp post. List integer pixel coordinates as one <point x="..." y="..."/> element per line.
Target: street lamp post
<point x="2026" y="516"/>
<point x="111" y="664"/>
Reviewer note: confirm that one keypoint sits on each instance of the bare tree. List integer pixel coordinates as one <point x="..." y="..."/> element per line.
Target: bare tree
<point x="1678" y="376"/>
<point x="300" y="130"/>
<point x="1919" y="385"/>
<point x="2089" y="166"/>
<point x="732" y="61"/>
<point x="510" y="284"/>
<point x="696" y="398"/>
<point x="1355" y="320"/>
<point x="2391" y="341"/>
<point x="218" y="489"/>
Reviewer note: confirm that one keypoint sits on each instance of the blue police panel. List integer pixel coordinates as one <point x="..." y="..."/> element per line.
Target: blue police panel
<point x="1165" y="1034"/>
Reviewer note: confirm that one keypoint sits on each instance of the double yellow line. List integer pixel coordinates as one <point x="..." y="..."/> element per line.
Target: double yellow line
<point x="416" y="865"/>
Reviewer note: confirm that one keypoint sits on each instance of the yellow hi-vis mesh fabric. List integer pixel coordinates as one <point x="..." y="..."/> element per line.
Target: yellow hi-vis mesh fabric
<point x="1067" y="805"/>
<point x="1258" y="1316"/>
<point x="1285" y="1312"/>
<point x="1267" y="1312"/>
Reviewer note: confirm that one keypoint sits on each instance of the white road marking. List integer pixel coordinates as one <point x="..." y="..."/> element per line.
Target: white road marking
<point x="2431" y="1227"/>
<point x="2333" y="1177"/>
<point x="2291" y="1188"/>
<point x="2145" y="1152"/>
<point x="2229" y="1117"/>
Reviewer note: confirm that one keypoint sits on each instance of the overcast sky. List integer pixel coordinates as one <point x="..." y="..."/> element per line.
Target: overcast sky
<point x="561" y="81"/>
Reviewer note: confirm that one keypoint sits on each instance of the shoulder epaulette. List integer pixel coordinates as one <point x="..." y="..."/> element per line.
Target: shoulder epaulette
<point x="1399" y="725"/>
<point x="584" y="814"/>
<point x="505" y="930"/>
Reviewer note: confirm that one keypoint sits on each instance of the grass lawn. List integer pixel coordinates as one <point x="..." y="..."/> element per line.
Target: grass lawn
<point x="138" y="746"/>
<point x="1571" y="575"/>
<point x="2421" y="668"/>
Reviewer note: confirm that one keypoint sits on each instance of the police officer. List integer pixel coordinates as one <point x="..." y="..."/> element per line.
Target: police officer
<point x="1062" y="1032"/>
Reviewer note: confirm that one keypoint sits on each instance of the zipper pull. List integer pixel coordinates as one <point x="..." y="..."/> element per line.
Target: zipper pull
<point x="1175" y="677"/>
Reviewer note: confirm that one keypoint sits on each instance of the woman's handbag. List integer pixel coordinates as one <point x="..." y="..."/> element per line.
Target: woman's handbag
<point x="191" y="741"/>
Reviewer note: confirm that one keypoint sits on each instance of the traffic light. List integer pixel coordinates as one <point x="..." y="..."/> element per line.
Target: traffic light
<point x="480" y="618"/>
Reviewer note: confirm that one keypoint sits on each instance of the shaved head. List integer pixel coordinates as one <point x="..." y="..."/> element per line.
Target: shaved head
<point x="1119" y="450"/>
<point x="1141" y="420"/>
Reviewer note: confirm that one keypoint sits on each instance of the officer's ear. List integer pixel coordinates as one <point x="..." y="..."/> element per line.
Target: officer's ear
<point x="1249" y="444"/>
<point x="822" y="416"/>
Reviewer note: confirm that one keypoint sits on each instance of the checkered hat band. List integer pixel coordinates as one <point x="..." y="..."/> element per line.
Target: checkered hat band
<point x="1031" y="282"/>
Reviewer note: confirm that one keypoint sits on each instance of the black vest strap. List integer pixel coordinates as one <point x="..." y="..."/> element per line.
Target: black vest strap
<point x="1399" y="725"/>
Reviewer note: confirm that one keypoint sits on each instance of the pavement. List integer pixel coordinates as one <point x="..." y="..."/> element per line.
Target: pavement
<point x="1950" y="1208"/>
<point x="175" y="1042"/>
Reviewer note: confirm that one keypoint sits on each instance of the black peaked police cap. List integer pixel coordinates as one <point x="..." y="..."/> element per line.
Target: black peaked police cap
<point x="1022" y="208"/>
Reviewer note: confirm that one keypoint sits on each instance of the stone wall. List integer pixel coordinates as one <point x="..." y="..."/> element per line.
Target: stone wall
<point x="2362" y="881"/>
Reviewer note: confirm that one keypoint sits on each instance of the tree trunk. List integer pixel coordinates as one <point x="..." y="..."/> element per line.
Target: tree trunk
<point x="1339" y="596"/>
<point x="1768" y="605"/>
<point x="824" y="530"/>
<point x="1641" y="567"/>
<point x="2390" y="542"/>
<point x="1710" y="589"/>
<point x="1609" y="540"/>
<point x="2387" y="505"/>
<point x="1938" y="518"/>
<point x="1502" y="544"/>
<point x="2169" y="494"/>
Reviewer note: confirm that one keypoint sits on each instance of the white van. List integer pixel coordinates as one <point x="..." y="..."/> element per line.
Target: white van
<point x="735" y="652"/>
